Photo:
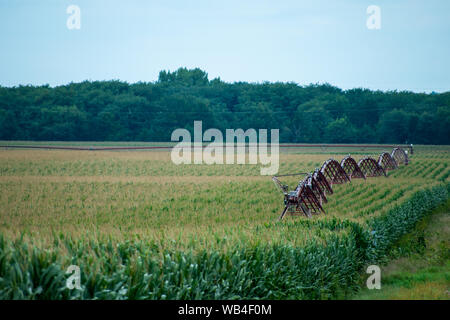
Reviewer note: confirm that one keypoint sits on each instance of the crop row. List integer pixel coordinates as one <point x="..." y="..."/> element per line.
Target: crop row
<point x="137" y="270"/>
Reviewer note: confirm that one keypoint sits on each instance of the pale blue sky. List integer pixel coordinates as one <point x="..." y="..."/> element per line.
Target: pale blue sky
<point x="300" y="41"/>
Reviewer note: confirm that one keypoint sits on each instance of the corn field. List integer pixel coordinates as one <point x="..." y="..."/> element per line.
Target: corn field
<point x="140" y="227"/>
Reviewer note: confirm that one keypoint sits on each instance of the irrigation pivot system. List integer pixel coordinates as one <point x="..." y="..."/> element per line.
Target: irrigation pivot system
<point x="310" y="193"/>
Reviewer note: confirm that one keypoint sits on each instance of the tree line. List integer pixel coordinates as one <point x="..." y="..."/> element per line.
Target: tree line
<point x="150" y="111"/>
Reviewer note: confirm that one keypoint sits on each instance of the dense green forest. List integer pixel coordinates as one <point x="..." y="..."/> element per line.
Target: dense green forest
<point x="116" y="110"/>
